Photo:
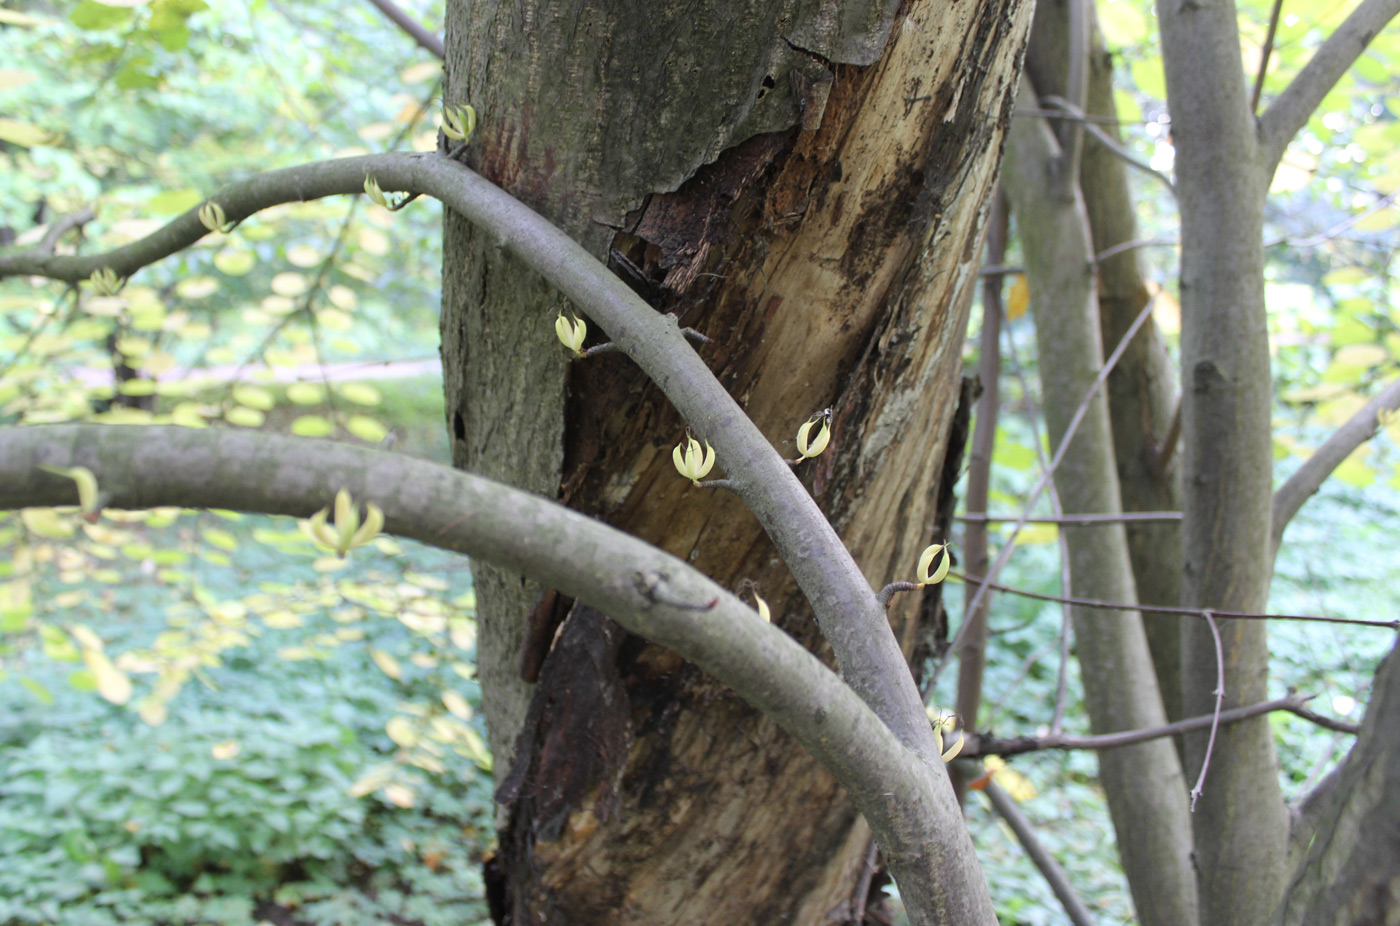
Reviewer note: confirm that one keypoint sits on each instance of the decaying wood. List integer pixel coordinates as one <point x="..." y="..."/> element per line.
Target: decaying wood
<point x="830" y="256"/>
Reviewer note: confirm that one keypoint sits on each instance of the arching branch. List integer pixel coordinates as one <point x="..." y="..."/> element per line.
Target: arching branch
<point x="845" y="605"/>
<point x="647" y="591"/>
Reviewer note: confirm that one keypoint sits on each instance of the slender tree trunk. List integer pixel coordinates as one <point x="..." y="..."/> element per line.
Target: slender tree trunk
<point x="808" y="191"/>
<point x="1146" y="794"/>
<point x="1142" y="393"/>
<point x="1240" y="822"/>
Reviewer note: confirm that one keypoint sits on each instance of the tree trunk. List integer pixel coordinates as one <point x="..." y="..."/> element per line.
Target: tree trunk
<point x="807" y="190"/>
<point x="1351" y="875"/>
<point x="1142" y="393"/>
<point x="1241" y="824"/>
<point x="1143" y="783"/>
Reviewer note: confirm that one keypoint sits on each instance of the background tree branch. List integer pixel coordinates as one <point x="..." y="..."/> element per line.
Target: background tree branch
<point x="1292" y="108"/>
<point x="979" y="745"/>
<point x="1308" y="478"/>
<point x="428" y="40"/>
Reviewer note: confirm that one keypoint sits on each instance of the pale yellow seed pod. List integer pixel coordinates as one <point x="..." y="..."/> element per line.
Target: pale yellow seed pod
<point x="571" y="332"/>
<point x="375" y="193"/>
<point x="763" y="611"/>
<point x="212" y="217"/>
<point x="813" y="447"/>
<point x="926" y="561"/>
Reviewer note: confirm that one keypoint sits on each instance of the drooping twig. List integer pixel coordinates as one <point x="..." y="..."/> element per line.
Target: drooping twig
<point x="1169" y="609"/>
<point x="843" y="601"/>
<point x="1200" y="784"/>
<point x="1044" y="862"/>
<point x="1111" y="144"/>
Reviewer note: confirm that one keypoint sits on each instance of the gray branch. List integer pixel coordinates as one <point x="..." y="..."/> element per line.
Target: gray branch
<point x="1292" y="108"/>
<point x="415" y="30"/>
<point x="647" y="591"/>
<point x="1360" y="428"/>
<point x="845" y="605"/>
<point x="1049" y="869"/>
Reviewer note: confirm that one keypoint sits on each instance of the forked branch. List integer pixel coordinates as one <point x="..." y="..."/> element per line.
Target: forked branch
<point x="1292" y="108"/>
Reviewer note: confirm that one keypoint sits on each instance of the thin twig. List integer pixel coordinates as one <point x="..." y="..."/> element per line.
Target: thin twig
<point x="414" y="29"/>
<point x="1167" y="609"/>
<point x="1057" y="718"/>
<point x="1309" y="477"/>
<point x="1219" y="703"/>
<point x="1046" y="476"/>
<point x="1126" y="516"/>
<point x="972" y="661"/>
<point x="867" y="874"/>
<point x="62" y="226"/>
<point x="1044" y="862"/>
<point x="1110" y="143"/>
<point x="1264" y="57"/>
<point x="985" y="745"/>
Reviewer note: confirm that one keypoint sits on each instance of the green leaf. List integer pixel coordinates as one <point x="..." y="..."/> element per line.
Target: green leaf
<point x="172" y="202"/>
<point x="254" y="397"/>
<point x="366" y="428"/>
<point x="92" y="15"/>
<point x="313" y="426"/>
<point x="82" y="680"/>
<point x="359" y="393"/>
<point x="37" y="690"/>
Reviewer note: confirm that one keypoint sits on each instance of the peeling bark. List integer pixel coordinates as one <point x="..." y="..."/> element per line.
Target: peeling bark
<point x="806" y="189"/>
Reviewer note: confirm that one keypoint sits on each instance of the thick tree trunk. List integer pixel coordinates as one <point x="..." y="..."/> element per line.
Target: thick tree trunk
<point x="1351" y="875"/>
<point x="808" y="191"/>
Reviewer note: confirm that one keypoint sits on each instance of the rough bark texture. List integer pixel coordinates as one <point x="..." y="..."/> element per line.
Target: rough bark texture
<point x="806" y="189"/>
<point x="1144" y="786"/>
<point x="1351" y="876"/>
<point x="1241" y="824"/>
<point x="1142" y="393"/>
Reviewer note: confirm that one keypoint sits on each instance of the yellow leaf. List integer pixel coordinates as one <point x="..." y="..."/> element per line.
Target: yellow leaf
<point x="225" y="750"/>
<point x="24" y="134"/>
<point x="1019" y="299"/>
<point x="388" y="664"/>
<point x="402" y="732"/>
<point x="112" y="682"/>
<point x="46" y="523"/>
<point x="399" y="795"/>
<point x="457" y="704"/>
<point x="9" y="80"/>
